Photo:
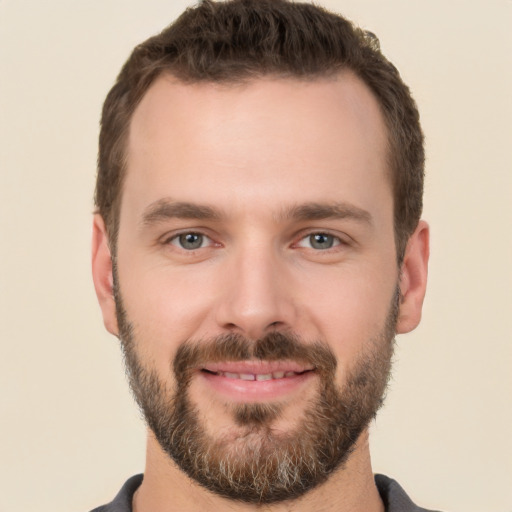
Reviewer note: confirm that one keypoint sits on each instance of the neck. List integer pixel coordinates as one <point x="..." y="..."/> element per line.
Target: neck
<point x="166" y="488"/>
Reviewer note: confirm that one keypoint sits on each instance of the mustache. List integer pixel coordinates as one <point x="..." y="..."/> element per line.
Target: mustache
<point x="232" y="347"/>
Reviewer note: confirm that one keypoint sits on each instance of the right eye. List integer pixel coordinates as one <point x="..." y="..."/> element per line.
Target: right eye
<point x="190" y="241"/>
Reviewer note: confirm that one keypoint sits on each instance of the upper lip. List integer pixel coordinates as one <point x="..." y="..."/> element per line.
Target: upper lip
<point x="257" y="367"/>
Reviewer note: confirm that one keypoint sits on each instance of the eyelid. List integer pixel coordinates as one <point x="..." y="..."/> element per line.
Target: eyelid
<point x="341" y="239"/>
<point x="169" y="238"/>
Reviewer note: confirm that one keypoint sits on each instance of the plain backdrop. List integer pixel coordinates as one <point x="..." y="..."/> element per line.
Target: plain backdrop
<point x="69" y="432"/>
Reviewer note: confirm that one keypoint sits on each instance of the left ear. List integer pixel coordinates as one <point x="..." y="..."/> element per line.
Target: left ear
<point x="413" y="279"/>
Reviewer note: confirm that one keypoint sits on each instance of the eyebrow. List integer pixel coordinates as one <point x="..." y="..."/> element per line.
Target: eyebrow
<point x="321" y="211"/>
<point x="165" y="209"/>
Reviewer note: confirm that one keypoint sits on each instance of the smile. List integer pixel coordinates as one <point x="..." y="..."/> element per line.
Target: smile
<point x="255" y="381"/>
<point x="257" y="376"/>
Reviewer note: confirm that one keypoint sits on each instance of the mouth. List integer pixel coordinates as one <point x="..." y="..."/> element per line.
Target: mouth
<point x="256" y="376"/>
<point x="255" y="381"/>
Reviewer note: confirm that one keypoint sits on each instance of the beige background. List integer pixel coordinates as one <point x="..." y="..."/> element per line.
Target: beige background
<point x="69" y="432"/>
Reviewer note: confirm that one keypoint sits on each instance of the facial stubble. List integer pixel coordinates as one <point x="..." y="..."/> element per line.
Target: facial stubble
<point x="256" y="463"/>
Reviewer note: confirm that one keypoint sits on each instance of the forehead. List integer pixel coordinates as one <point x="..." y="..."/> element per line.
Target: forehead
<point x="304" y="137"/>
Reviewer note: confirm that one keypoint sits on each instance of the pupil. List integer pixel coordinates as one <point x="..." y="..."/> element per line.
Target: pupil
<point x="321" y="241"/>
<point x="191" y="240"/>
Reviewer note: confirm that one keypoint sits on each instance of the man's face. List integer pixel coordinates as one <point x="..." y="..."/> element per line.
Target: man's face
<point x="256" y="269"/>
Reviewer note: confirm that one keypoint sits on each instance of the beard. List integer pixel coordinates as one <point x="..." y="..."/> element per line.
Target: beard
<point x="255" y="462"/>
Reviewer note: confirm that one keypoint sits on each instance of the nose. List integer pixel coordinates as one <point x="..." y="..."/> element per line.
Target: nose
<point x="257" y="294"/>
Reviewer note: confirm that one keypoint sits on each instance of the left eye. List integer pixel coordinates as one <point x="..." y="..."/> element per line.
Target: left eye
<point x="190" y="241"/>
<point x="319" y="241"/>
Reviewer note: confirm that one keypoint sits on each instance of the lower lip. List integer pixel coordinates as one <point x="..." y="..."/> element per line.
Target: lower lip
<point x="245" y="391"/>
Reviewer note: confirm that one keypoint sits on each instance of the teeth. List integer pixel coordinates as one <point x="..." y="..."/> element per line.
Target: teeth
<point x="258" y="376"/>
<point x="265" y="376"/>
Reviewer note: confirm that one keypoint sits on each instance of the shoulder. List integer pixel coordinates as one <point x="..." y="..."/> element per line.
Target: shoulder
<point x="123" y="501"/>
<point x="394" y="497"/>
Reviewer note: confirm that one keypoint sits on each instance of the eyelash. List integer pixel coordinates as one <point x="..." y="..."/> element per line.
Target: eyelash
<point x="336" y="241"/>
<point x="175" y="240"/>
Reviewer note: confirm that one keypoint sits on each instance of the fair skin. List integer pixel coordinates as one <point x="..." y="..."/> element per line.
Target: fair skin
<point x="255" y="170"/>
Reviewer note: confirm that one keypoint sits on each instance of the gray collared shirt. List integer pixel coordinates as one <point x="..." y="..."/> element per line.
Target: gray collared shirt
<point x="394" y="497"/>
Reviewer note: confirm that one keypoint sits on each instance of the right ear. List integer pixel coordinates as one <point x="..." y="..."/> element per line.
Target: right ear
<point x="102" y="274"/>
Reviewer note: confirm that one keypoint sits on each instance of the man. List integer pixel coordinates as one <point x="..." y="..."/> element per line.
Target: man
<point x="257" y="245"/>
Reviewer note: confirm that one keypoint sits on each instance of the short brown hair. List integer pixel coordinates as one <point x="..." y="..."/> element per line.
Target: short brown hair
<point x="238" y="40"/>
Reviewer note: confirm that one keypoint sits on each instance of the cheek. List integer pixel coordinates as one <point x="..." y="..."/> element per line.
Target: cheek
<point x="165" y="308"/>
<point x="350" y="310"/>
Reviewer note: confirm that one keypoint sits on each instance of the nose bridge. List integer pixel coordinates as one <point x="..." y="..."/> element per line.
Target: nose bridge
<point x="256" y="296"/>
